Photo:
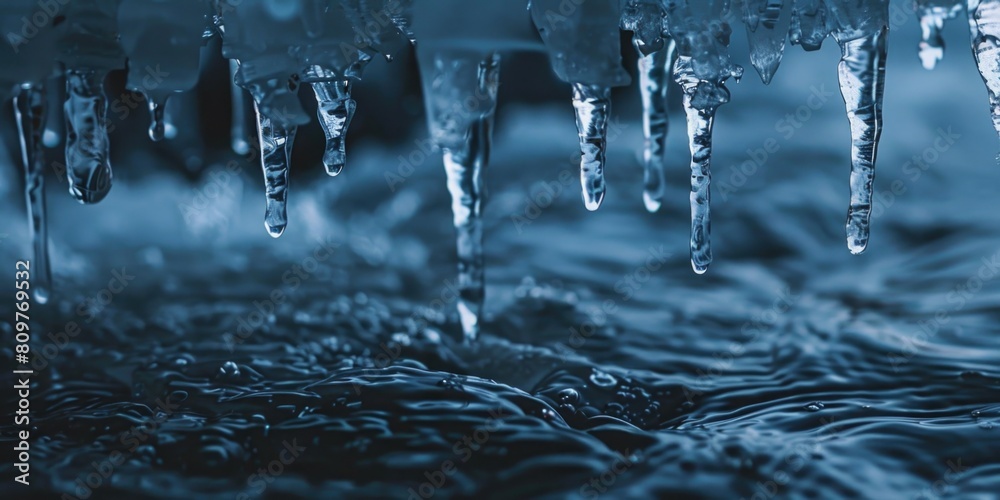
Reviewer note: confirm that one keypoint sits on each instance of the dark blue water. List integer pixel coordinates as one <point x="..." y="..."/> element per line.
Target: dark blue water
<point x="205" y="360"/>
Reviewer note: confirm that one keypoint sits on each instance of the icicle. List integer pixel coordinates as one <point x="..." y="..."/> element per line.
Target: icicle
<point x="933" y="14"/>
<point x="87" y="166"/>
<point x="335" y="111"/>
<point x="699" y="124"/>
<point x="809" y="24"/>
<point x="276" y="151"/>
<point x="238" y="129"/>
<point x="653" y="71"/>
<point x="644" y="18"/>
<point x="703" y="65"/>
<point x="464" y="169"/>
<point x="29" y="109"/>
<point x="984" y="23"/>
<point x="464" y="133"/>
<point x="767" y="23"/>
<point x="156" y="122"/>
<point x="593" y="105"/>
<point x="862" y="82"/>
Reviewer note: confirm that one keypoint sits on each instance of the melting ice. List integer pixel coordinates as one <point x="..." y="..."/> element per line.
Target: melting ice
<point x="275" y="48"/>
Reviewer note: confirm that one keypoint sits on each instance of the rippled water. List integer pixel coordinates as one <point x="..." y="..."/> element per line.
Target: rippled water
<point x="606" y="367"/>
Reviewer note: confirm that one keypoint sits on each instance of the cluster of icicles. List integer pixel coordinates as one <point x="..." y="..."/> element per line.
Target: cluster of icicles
<point x="276" y="45"/>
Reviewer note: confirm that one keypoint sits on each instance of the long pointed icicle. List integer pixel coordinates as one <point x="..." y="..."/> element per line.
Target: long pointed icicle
<point x="862" y="83"/>
<point x="654" y="69"/>
<point x="276" y="151"/>
<point x="703" y="65"/>
<point x="699" y="125"/>
<point x="465" y="169"/>
<point x="335" y="109"/>
<point x="29" y="109"/>
<point x="87" y="167"/>
<point x="464" y="134"/>
<point x="984" y="24"/>
<point x="933" y="14"/>
<point x="593" y="107"/>
<point x="767" y="24"/>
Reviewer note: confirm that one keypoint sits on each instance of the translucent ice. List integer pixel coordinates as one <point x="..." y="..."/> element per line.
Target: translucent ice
<point x="767" y="23"/>
<point x="593" y="105"/>
<point x="646" y="20"/>
<point x="809" y="24"/>
<point x="464" y="134"/>
<point x="335" y="109"/>
<point x="583" y="45"/>
<point x="276" y="148"/>
<point x="88" y="47"/>
<point x="984" y="24"/>
<point x="933" y="14"/>
<point x="861" y="29"/>
<point x="29" y="110"/>
<point x="460" y="75"/>
<point x="238" y="134"/>
<point x="162" y="40"/>
<point x="87" y="166"/>
<point x="702" y="68"/>
<point x="654" y="68"/>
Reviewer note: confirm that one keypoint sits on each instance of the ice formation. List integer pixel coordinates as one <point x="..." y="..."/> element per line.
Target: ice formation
<point x="276" y="47"/>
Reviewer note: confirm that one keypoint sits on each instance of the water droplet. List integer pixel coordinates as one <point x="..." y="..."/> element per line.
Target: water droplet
<point x="602" y="379"/>
<point x="814" y="406"/>
<point x="229" y="370"/>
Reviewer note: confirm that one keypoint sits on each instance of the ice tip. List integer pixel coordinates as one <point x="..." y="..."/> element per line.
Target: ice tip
<point x="857" y="246"/>
<point x="700" y="268"/>
<point x="470" y="322"/>
<point x="766" y="74"/>
<point x="156" y="131"/>
<point x="593" y="201"/>
<point x="275" y="230"/>
<point x="93" y="189"/>
<point x="50" y="138"/>
<point x="333" y="169"/>
<point x="652" y="204"/>
<point x="240" y="146"/>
